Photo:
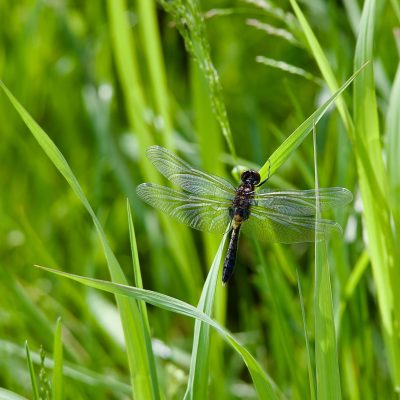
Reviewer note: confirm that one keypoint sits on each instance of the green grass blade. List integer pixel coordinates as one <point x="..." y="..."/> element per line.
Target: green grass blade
<point x="282" y="153"/>
<point x="155" y="64"/>
<point x="58" y="379"/>
<point x="393" y="143"/>
<point x="124" y="48"/>
<point x="377" y="214"/>
<point x="34" y="384"/>
<point x="199" y="365"/>
<point x="139" y="364"/>
<point x="264" y="385"/>
<point x="328" y="74"/>
<point x="142" y="305"/>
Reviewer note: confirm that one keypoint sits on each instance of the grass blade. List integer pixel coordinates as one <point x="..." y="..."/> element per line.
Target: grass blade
<point x="377" y="215"/>
<point x="155" y="66"/>
<point x="323" y="64"/>
<point x="282" y="153"/>
<point x="142" y="386"/>
<point x="264" y="385"/>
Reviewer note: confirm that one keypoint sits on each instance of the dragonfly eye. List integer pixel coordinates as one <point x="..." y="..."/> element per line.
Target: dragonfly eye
<point x="252" y="177"/>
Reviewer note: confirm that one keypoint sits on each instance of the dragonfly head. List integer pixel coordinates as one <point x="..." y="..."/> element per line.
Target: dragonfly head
<point x="250" y="177"/>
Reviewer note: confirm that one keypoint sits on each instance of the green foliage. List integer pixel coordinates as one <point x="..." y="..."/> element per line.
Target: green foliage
<point x="95" y="84"/>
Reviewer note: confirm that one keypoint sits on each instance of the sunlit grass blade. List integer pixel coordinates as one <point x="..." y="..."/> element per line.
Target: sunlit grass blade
<point x="393" y="146"/>
<point x="264" y="385"/>
<point x="324" y="65"/>
<point x="377" y="215"/>
<point x="124" y="48"/>
<point x="199" y="366"/>
<point x="156" y="69"/>
<point x="58" y="379"/>
<point x="32" y="374"/>
<point x="282" y="153"/>
<point x="142" y="386"/>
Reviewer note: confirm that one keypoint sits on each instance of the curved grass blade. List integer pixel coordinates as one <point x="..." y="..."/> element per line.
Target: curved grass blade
<point x="142" y="386"/>
<point x="323" y="64"/>
<point x="282" y="153"/>
<point x="265" y="387"/>
<point x="360" y="148"/>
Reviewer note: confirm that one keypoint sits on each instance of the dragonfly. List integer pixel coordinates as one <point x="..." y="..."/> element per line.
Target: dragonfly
<point x="210" y="203"/>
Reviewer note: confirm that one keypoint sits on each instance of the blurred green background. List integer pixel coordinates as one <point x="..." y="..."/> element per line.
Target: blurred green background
<point x="103" y="93"/>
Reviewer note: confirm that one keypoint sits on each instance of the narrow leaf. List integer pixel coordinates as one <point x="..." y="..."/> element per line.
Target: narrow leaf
<point x="265" y="387"/>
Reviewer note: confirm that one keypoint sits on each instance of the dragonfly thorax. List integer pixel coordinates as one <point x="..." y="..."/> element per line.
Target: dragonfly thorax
<point x="250" y="177"/>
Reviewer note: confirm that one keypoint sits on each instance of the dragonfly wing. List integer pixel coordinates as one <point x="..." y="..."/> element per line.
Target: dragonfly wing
<point x="198" y="212"/>
<point x="270" y="226"/>
<point x="302" y="202"/>
<point x="192" y="180"/>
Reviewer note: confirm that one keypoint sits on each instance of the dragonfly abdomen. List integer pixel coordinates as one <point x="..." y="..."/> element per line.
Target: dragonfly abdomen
<point x="230" y="258"/>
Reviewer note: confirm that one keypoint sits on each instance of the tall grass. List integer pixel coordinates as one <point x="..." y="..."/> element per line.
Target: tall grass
<point x="95" y="86"/>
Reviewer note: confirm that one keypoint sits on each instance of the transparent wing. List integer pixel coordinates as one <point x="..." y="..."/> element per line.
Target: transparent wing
<point x="302" y="202"/>
<point x="198" y="212"/>
<point x="270" y="226"/>
<point x="192" y="180"/>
